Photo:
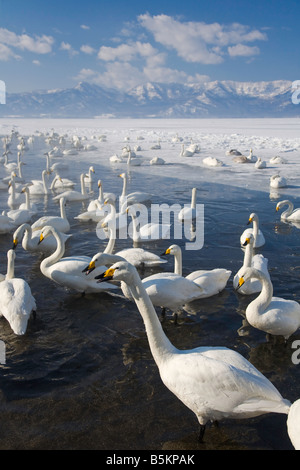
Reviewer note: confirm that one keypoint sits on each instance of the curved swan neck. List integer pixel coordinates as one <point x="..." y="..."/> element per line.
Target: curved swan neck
<point x="289" y="210"/>
<point x="83" y="190"/>
<point x="265" y="296"/>
<point x="159" y="343"/>
<point x="248" y="255"/>
<point x="193" y="201"/>
<point x="111" y="242"/>
<point x="56" y="255"/>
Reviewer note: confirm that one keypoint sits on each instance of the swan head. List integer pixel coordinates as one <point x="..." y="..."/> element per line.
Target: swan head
<point x="18" y="234"/>
<point x="280" y="204"/>
<point x="252" y="217"/>
<point x="172" y="250"/>
<point x="100" y="259"/>
<point x="92" y="169"/>
<point x="249" y="240"/>
<point x="248" y="273"/>
<point x="46" y="232"/>
<point x="120" y="271"/>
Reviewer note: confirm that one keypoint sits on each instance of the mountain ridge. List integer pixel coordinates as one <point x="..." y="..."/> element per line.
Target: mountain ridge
<point x="214" y="99"/>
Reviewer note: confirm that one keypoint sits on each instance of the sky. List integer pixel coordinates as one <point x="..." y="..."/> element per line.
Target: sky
<point x="120" y="44"/>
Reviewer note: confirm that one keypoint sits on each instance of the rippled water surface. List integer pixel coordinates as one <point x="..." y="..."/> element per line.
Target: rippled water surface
<point x="83" y="376"/>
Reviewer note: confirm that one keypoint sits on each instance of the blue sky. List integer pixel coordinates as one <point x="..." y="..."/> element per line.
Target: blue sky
<point x="120" y="44"/>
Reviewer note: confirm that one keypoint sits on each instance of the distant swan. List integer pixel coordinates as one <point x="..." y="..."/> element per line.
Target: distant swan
<point x="150" y="231"/>
<point x="189" y="213"/>
<point x="72" y="195"/>
<point x="273" y="315"/>
<point x="213" y="382"/>
<point x="277" y="181"/>
<point x="136" y="196"/>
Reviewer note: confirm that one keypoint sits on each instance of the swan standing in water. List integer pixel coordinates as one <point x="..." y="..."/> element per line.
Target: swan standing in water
<point x="61" y="222"/>
<point x="16" y="300"/>
<point x="273" y="315"/>
<point x="211" y="281"/>
<point x="31" y="243"/>
<point x="259" y="239"/>
<point x="257" y="261"/>
<point x="214" y="382"/>
<point x="73" y="195"/>
<point x="290" y="213"/>
<point x="68" y="271"/>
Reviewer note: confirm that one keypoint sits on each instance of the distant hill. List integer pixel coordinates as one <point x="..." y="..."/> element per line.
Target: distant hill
<point x="217" y="99"/>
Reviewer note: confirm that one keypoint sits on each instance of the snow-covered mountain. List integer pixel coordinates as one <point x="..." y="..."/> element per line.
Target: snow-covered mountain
<point x="217" y="99"/>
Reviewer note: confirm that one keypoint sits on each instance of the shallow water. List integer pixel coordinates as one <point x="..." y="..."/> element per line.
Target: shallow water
<point x="83" y="376"/>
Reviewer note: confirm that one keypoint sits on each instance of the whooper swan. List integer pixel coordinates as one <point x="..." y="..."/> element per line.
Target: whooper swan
<point x="31" y="243"/>
<point x="61" y="222"/>
<point x="213" y="382"/>
<point x="290" y="213"/>
<point x="68" y="271"/>
<point x="259" y="239"/>
<point x="16" y="300"/>
<point x="273" y="315"/>
<point x="72" y="195"/>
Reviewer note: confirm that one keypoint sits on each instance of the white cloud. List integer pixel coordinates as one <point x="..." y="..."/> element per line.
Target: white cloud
<point x="84" y="26"/>
<point x="242" y="50"/>
<point x="39" y="44"/>
<point x="87" y="49"/>
<point x="6" y="53"/>
<point x="36" y="62"/>
<point x="126" y="52"/>
<point x="65" y="46"/>
<point x="198" y="42"/>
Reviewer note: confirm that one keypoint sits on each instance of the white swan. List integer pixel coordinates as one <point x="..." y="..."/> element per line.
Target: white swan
<point x="211" y="281"/>
<point x="185" y="152"/>
<point x="157" y="161"/>
<point x="290" y="213"/>
<point x="61" y="183"/>
<point x="72" y="195"/>
<point x="260" y="164"/>
<point x="11" y="166"/>
<point x="31" y="243"/>
<point x="257" y="261"/>
<point x="40" y="186"/>
<point x="89" y="176"/>
<point x="133" y="161"/>
<point x="189" y="213"/>
<point x="273" y="315"/>
<point x="233" y="152"/>
<point x="277" y="160"/>
<point x="14" y="198"/>
<point x="214" y="382"/>
<point x="27" y="204"/>
<point x="277" y="181"/>
<point x="156" y="146"/>
<point x="61" y="222"/>
<point x="212" y="161"/>
<point x="259" y="239"/>
<point x="7" y="225"/>
<point x="114" y="219"/>
<point x="136" y="196"/>
<point x="16" y="300"/>
<point x="150" y="231"/>
<point x="20" y="216"/>
<point x="68" y="272"/>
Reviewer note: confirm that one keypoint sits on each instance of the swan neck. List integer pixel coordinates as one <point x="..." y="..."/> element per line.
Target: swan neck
<point x="159" y="343"/>
<point x="124" y="190"/>
<point x="27" y="200"/>
<point x="45" y="184"/>
<point x="289" y="210"/>
<point x="83" y="190"/>
<point x="63" y="213"/>
<point x="260" y="304"/>
<point x="193" y="202"/>
<point x="248" y="256"/>
<point x="56" y="255"/>
<point x="135" y="232"/>
<point x="10" y="268"/>
<point x="111" y="242"/>
<point x="178" y="263"/>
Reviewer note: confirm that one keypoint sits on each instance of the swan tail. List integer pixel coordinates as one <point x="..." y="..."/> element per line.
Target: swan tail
<point x="293" y="424"/>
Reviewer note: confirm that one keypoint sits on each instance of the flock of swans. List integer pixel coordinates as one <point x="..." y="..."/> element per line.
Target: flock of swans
<point x="213" y="382"/>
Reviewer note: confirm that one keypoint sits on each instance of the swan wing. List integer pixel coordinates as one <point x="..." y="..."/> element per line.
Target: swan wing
<point x="16" y="304"/>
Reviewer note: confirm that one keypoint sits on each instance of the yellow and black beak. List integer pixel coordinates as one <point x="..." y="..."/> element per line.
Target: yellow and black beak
<point x="167" y="252"/>
<point x="246" y="242"/>
<point x="249" y="221"/>
<point x="108" y="275"/>
<point x="41" y="238"/>
<point x="241" y="282"/>
<point x="89" y="268"/>
<point x="15" y="243"/>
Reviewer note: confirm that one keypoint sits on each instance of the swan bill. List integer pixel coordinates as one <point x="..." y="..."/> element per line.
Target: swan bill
<point x="247" y="241"/>
<point x="41" y="238"/>
<point x="108" y="275"/>
<point x="89" y="268"/>
<point x="15" y="243"/>
<point x="241" y="282"/>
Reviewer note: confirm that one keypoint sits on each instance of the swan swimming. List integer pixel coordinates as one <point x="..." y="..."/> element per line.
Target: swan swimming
<point x="214" y="382"/>
<point x="61" y="222"/>
<point x="16" y="300"/>
<point x="134" y="197"/>
<point x="273" y="315"/>
<point x="72" y="195"/>
<point x="68" y="271"/>
<point x="290" y="213"/>
<point x="211" y="281"/>
<point x="31" y="243"/>
<point x="189" y="213"/>
<point x="257" y="261"/>
<point x="259" y="239"/>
